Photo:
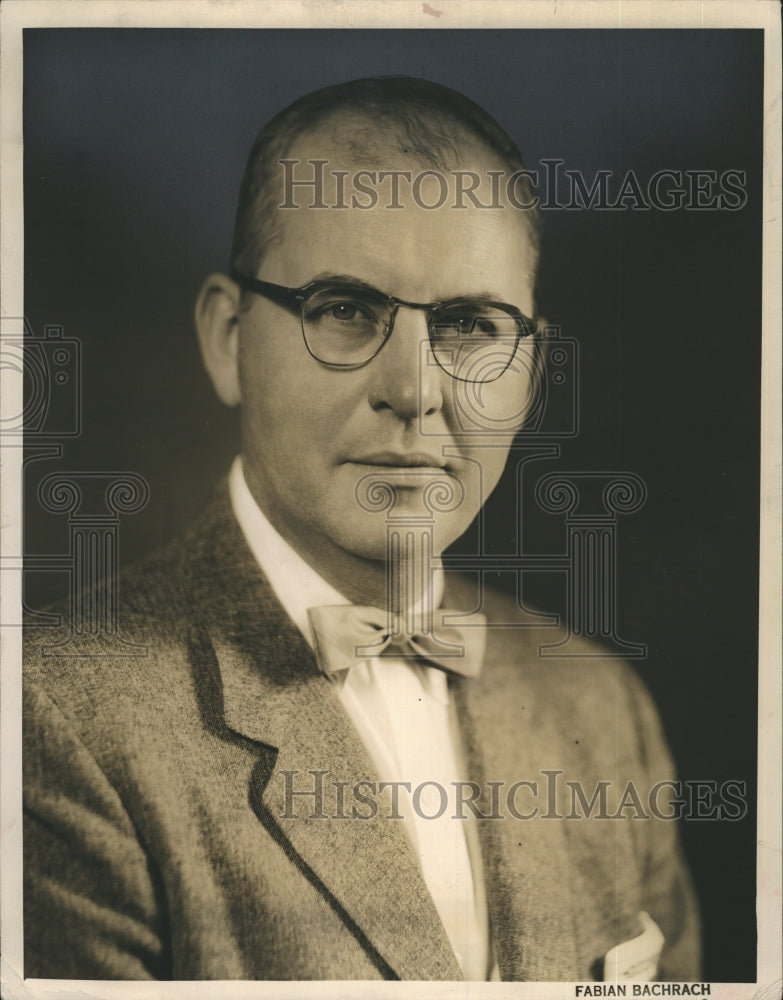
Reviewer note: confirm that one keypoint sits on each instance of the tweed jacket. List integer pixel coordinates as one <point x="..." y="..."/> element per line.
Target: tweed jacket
<point x="159" y="842"/>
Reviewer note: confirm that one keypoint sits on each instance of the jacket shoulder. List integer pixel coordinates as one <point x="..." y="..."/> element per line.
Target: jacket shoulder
<point x="591" y="687"/>
<point x="130" y="632"/>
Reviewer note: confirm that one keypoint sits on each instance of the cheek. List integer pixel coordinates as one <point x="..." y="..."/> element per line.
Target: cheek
<point x="294" y="411"/>
<point x="273" y="378"/>
<point x="515" y="392"/>
<point x="493" y="411"/>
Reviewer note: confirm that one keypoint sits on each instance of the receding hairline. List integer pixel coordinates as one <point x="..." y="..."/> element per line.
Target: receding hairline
<point x="429" y="124"/>
<point x="364" y="142"/>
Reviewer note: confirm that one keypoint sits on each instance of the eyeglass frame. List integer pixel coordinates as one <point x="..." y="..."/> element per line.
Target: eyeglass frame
<point x="294" y="299"/>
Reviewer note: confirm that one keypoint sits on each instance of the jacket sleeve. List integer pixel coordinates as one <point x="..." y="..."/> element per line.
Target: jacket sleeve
<point x="92" y="899"/>
<point x="668" y="893"/>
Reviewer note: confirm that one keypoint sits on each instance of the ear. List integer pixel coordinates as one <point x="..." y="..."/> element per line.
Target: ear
<point x="217" y="326"/>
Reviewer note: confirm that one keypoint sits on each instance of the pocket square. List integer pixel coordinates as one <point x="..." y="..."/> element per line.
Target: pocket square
<point x="635" y="961"/>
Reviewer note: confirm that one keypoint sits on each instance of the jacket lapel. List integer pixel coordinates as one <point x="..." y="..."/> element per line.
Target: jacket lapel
<point x="508" y="738"/>
<point x="273" y="694"/>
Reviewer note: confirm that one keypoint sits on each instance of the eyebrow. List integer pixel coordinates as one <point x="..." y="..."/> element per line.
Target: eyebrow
<point x="344" y="279"/>
<point x="351" y="279"/>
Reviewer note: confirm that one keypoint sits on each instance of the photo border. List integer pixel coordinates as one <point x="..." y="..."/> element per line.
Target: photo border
<point x="15" y="15"/>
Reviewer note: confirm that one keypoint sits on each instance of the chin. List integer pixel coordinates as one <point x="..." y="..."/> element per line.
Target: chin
<point x="366" y="540"/>
<point x="419" y="535"/>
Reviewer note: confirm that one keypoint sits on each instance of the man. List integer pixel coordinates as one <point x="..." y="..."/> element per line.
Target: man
<point x="333" y="762"/>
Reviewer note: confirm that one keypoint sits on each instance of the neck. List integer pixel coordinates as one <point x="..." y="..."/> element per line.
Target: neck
<point x="396" y="584"/>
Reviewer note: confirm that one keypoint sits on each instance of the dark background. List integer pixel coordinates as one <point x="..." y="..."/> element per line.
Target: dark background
<point x="134" y="146"/>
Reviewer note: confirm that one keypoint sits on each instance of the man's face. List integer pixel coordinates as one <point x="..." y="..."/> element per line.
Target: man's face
<point x="312" y="435"/>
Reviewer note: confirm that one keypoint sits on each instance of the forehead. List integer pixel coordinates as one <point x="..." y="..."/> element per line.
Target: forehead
<point x="371" y="208"/>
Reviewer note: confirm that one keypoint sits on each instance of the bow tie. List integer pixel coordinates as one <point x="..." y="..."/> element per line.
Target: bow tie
<point x="346" y="634"/>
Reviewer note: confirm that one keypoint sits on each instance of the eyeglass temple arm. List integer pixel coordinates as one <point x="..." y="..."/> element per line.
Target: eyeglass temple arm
<point x="288" y="297"/>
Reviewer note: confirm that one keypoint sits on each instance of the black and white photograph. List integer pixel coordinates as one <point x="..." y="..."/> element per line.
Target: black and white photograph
<point x="391" y="500"/>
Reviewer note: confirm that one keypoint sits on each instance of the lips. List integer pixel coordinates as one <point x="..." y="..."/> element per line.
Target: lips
<point x="402" y="460"/>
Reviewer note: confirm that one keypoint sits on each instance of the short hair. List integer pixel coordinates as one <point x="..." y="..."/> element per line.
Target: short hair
<point x="428" y="120"/>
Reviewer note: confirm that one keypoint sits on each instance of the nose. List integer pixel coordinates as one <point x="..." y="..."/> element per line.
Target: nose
<point x="406" y="379"/>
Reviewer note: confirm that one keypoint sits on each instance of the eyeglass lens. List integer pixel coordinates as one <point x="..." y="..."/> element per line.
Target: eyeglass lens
<point x="471" y="340"/>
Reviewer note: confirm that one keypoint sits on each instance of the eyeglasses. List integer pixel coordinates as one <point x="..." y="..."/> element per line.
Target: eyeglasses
<point x="346" y="323"/>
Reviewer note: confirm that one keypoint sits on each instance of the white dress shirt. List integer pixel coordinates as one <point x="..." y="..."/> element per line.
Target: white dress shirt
<point x="401" y="711"/>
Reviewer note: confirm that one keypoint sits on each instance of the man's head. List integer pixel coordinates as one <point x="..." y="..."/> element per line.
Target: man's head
<point x="412" y="193"/>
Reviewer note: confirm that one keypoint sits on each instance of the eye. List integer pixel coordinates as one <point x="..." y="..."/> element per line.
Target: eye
<point x="471" y="322"/>
<point x="461" y="324"/>
<point x="342" y="307"/>
<point x="345" y="310"/>
<point x="485" y="325"/>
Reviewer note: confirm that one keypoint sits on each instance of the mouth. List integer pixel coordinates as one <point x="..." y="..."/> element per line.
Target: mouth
<point x="405" y="461"/>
